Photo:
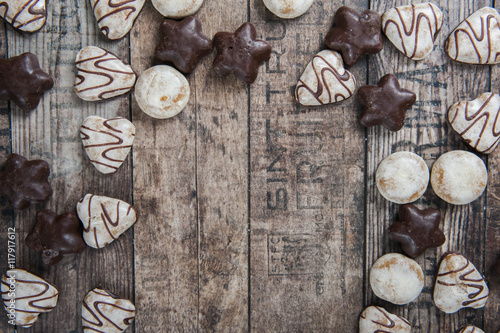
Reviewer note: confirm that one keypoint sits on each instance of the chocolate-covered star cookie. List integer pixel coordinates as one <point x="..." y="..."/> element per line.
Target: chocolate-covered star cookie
<point x="417" y="230"/>
<point x="355" y="34"/>
<point x="25" y="182"/>
<point x="385" y="104"/>
<point x="183" y="43"/>
<point x="55" y="236"/>
<point x="239" y="53"/>
<point x="22" y="81"/>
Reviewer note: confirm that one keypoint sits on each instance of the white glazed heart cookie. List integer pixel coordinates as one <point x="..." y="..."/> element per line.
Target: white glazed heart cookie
<point x="116" y="18"/>
<point x="105" y="312"/>
<point x="325" y="80"/>
<point x="104" y="219"/>
<point x="107" y="142"/>
<point x="376" y="319"/>
<point x="413" y="29"/>
<point x="24" y="15"/>
<point x="28" y="296"/>
<point x="101" y="75"/>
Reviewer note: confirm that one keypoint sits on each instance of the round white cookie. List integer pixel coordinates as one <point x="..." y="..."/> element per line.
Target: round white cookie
<point x="177" y="8"/>
<point x="288" y="8"/>
<point x="459" y="177"/>
<point x="402" y="177"/>
<point x="162" y="91"/>
<point x="396" y="278"/>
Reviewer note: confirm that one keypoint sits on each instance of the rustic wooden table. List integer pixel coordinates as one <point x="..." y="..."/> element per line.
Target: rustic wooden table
<point x="255" y="214"/>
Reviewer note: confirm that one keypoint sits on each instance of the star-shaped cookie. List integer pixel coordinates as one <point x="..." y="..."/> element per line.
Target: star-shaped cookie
<point x="25" y="182"/>
<point x="22" y="81"/>
<point x="355" y="34"/>
<point x="417" y="230"/>
<point x="239" y="53"/>
<point x="183" y="43"/>
<point x="55" y="235"/>
<point x="385" y="104"/>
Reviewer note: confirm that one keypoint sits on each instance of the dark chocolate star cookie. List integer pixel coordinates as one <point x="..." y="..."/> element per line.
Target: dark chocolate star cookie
<point x="385" y="104"/>
<point x="183" y="43"/>
<point x="355" y="34"/>
<point x="22" y="81"/>
<point x="25" y="182"/>
<point x="55" y="236"/>
<point x="239" y="53"/>
<point x="417" y="230"/>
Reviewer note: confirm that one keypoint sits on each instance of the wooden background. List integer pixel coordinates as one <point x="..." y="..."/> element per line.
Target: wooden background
<point x="255" y="214"/>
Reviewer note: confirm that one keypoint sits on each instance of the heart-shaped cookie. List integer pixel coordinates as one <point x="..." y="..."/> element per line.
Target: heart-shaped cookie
<point x="377" y="319"/>
<point x="107" y="141"/>
<point x="101" y="75"/>
<point x="24" y="15"/>
<point x="116" y="18"/>
<point x="104" y="219"/>
<point x="459" y="285"/>
<point x="325" y="80"/>
<point x="477" y="122"/>
<point x="477" y="39"/>
<point x="25" y="296"/>
<point x="413" y="28"/>
<point x="104" y="312"/>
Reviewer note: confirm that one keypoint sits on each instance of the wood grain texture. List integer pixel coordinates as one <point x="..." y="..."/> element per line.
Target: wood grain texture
<point x="6" y="213"/>
<point x="166" y="267"/>
<point x="51" y="133"/>
<point x="438" y="83"/>
<point x="306" y="187"/>
<point x="222" y="187"/>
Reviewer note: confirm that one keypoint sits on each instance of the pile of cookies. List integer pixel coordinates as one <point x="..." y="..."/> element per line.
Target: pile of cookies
<point x="457" y="177"/>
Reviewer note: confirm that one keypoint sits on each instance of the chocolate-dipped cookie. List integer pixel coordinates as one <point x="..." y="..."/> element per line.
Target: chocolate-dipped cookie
<point x="355" y="34"/>
<point x="183" y="43"/>
<point x="23" y="81"/>
<point x="240" y="53"/>
<point x="417" y="230"/>
<point x="385" y="104"/>
<point x="25" y="182"/>
<point x="55" y="235"/>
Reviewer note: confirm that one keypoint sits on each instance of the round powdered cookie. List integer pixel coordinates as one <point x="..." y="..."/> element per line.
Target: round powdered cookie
<point x="402" y="177"/>
<point x="162" y="91"/>
<point x="288" y="8"/>
<point x="459" y="177"/>
<point x="396" y="278"/>
<point x="177" y="8"/>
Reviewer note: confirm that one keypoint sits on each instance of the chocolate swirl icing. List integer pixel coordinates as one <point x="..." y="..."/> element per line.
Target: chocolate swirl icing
<point x="114" y="17"/>
<point x="324" y="80"/>
<point x="107" y="141"/>
<point x="28" y="16"/>
<point x="101" y="75"/>
<point x="32" y="295"/>
<point x="105" y="313"/>
<point x="416" y="38"/>
<point x="477" y="122"/>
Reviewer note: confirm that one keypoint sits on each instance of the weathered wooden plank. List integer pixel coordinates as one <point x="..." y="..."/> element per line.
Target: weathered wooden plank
<point x="51" y="132"/>
<point x="438" y="82"/>
<point x="492" y="247"/>
<point x="166" y="243"/>
<point x="306" y="187"/>
<point x="222" y="186"/>
<point x="6" y="213"/>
